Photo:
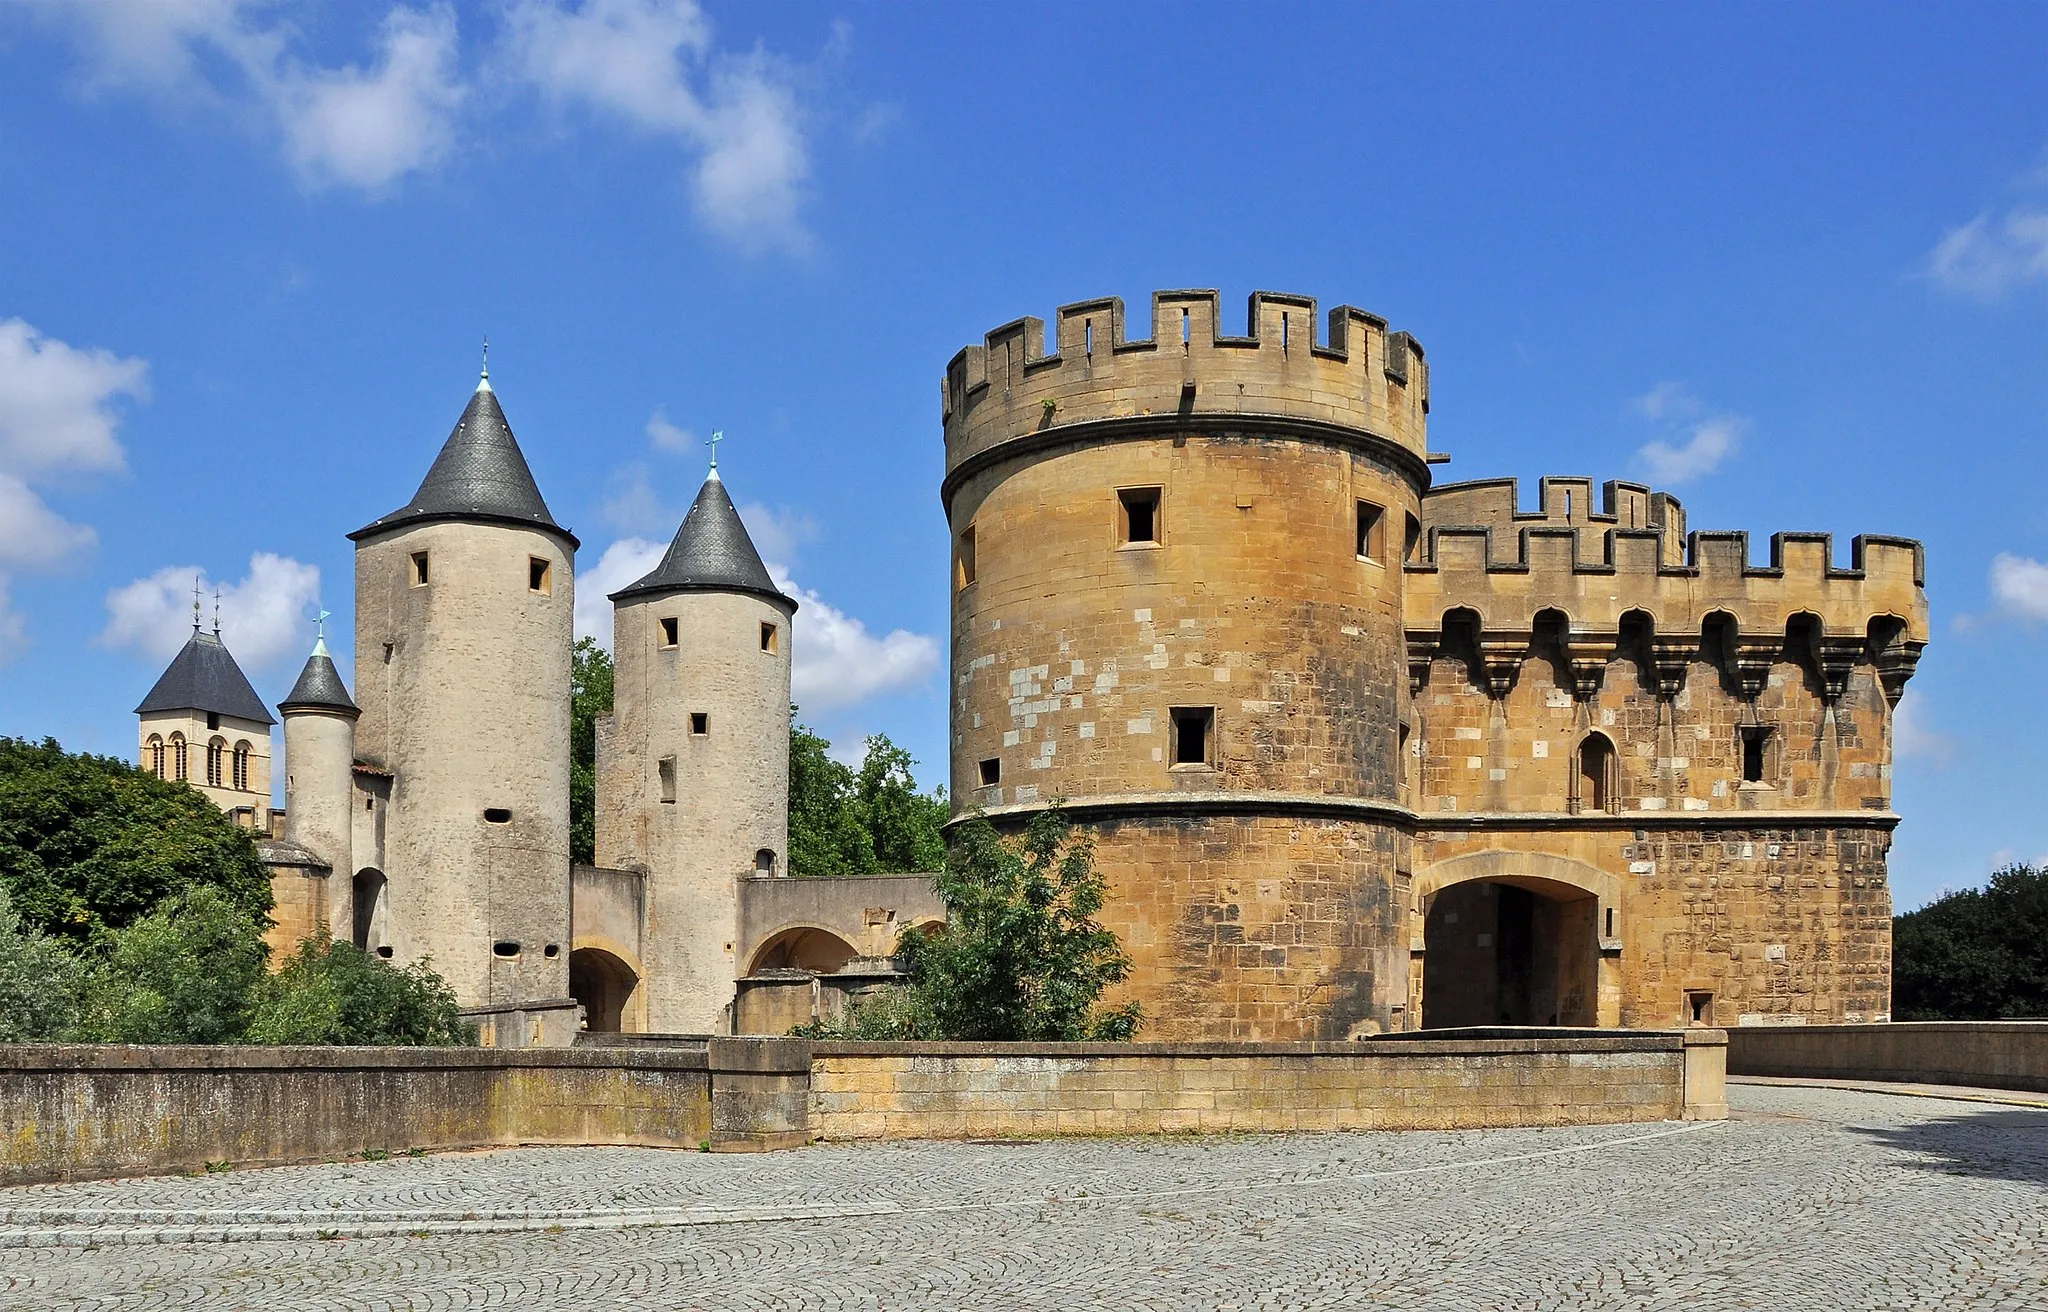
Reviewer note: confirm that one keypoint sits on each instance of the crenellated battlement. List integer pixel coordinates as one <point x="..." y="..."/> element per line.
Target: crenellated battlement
<point x="1357" y="376"/>
<point x="1506" y="572"/>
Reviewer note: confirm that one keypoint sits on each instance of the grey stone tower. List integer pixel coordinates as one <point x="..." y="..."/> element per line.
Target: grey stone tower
<point x="463" y="605"/>
<point x="693" y="766"/>
<point x="319" y="760"/>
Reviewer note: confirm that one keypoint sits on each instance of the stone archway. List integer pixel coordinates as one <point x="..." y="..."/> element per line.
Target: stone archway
<point x="366" y="893"/>
<point x="1510" y="938"/>
<point x="604" y="984"/>
<point x="803" y="947"/>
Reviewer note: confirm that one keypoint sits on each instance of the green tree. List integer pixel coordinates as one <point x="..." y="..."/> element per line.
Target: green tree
<point x="859" y="822"/>
<point x="185" y="973"/>
<point x="1021" y="958"/>
<point x="903" y="825"/>
<point x="332" y="992"/>
<point x="39" y="982"/>
<point x="590" y="699"/>
<point x="90" y="844"/>
<point x="1979" y="954"/>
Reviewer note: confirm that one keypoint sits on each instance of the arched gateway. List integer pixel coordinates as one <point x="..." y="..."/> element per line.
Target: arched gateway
<point x="1516" y="939"/>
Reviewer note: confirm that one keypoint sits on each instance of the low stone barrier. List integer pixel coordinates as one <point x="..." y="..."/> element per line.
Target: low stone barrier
<point x="91" y="1111"/>
<point x="85" y="1112"/>
<point x="1992" y="1054"/>
<point x="937" y="1090"/>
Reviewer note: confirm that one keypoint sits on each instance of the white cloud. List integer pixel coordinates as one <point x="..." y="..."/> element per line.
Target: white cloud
<point x="1695" y="442"/>
<point x="666" y="436"/>
<point x="262" y="617"/>
<point x="635" y="507"/>
<point x="651" y="65"/>
<point x="778" y="532"/>
<point x="623" y="562"/>
<point x="368" y="128"/>
<point x="1913" y="732"/>
<point x="836" y="662"/>
<point x="1988" y="257"/>
<point x="2020" y="586"/>
<point x="58" y="415"/>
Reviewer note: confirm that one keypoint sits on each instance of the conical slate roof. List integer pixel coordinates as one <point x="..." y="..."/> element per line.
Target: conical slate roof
<point x="711" y="553"/>
<point x="480" y="475"/>
<point x="319" y="687"/>
<point x="204" y="677"/>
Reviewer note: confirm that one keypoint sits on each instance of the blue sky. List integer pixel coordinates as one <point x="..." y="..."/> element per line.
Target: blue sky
<point x="1789" y="260"/>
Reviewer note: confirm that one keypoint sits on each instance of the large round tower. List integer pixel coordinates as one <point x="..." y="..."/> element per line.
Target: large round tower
<point x="319" y="757"/>
<point x="1177" y="606"/>
<point x="463" y="604"/>
<point x="693" y="768"/>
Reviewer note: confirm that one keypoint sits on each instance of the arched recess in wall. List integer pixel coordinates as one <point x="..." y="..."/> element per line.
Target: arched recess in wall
<point x="1593" y="775"/>
<point x="156" y="756"/>
<point x="1515" y="938"/>
<point x="803" y="947"/>
<point x="369" y="889"/>
<point x="604" y="984"/>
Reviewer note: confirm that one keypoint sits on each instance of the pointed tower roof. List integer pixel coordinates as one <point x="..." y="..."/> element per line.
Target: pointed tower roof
<point x="204" y="677"/>
<point x="480" y="476"/>
<point x="711" y="553"/>
<point x="319" y="687"/>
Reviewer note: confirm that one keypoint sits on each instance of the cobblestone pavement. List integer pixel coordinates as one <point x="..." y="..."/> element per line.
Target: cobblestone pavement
<point x="1809" y="1198"/>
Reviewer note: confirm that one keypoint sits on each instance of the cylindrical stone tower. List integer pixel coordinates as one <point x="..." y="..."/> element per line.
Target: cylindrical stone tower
<point x="319" y="789"/>
<point x="464" y="599"/>
<point x="693" y="769"/>
<point x="1177" y="606"/>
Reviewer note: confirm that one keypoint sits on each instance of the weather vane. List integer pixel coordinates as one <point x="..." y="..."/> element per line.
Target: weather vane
<point x="487" y="355"/>
<point x="195" y="603"/>
<point x="320" y="625"/>
<point x="216" y="612"/>
<point x="713" y="442"/>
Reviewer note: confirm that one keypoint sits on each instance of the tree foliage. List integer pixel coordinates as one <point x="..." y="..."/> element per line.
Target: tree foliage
<point x="868" y="821"/>
<point x="332" y="992"/>
<point x="590" y="699"/>
<point x="91" y="844"/>
<point x="187" y="972"/>
<point x="1980" y="954"/>
<point x="39" y="982"/>
<point x="1022" y="956"/>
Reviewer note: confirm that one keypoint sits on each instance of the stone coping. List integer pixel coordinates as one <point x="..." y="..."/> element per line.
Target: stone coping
<point x="115" y="1057"/>
<point x="1419" y="1044"/>
<point x="2027" y="1027"/>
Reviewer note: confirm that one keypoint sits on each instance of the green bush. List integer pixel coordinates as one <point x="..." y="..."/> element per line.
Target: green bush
<point x="185" y="973"/>
<point x="1980" y="954"/>
<point x="1021" y="957"/>
<point x="332" y="992"/>
<point x="90" y="844"/>
<point x="868" y="821"/>
<point x="39" y="982"/>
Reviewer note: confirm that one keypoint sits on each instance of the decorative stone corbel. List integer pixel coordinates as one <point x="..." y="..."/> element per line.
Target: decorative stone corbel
<point x="1423" y="645"/>
<point x="1751" y="661"/>
<point x="1500" y="656"/>
<point x="1836" y="659"/>
<point x="1895" y="665"/>
<point x="1670" y="661"/>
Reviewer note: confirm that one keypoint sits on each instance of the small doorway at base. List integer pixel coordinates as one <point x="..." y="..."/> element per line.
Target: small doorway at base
<point x="1508" y="954"/>
<point x="604" y="985"/>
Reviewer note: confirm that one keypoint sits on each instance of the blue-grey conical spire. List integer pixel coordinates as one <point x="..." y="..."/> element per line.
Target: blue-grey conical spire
<point x="319" y="687"/>
<point x="480" y="476"/>
<point x="711" y="553"/>
<point x="204" y="677"/>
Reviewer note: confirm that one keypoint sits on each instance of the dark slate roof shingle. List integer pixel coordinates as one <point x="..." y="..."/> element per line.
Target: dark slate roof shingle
<point x="204" y="677"/>
<point x="319" y="686"/>
<point x="711" y="553"/>
<point x="481" y="474"/>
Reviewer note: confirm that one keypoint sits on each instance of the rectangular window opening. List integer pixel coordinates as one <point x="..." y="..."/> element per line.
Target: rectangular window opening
<point x="1754" y="739"/>
<point x="666" y="771"/>
<point x="538" y="577"/>
<point x="1140" y="513"/>
<point x="991" y="772"/>
<point x="671" y="631"/>
<point x="1193" y="735"/>
<point x="1370" y="518"/>
<point x="700" y="723"/>
<point x="1699" y="1007"/>
<point x="963" y="569"/>
<point x="771" y="640"/>
<point x="1412" y="543"/>
<point x="419" y="569"/>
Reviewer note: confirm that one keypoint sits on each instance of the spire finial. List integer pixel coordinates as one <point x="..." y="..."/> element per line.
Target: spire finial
<point x="320" y="633"/>
<point x="195" y="603"/>
<point x="713" y="442"/>
<point x="216" y="612"/>
<point x="483" y="383"/>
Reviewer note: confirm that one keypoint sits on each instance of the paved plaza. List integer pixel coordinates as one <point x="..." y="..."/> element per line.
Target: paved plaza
<point x="1808" y="1198"/>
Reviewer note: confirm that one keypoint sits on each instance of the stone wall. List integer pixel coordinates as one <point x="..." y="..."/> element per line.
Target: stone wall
<point x="85" y="1112"/>
<point x="939" y="1090"/>
<point x="2004" y="1054"/>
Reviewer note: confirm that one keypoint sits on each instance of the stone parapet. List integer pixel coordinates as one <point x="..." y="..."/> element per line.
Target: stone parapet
<point x="2002" y="1054"/>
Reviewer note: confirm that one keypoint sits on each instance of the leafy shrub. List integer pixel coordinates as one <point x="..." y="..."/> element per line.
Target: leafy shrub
<point x="185" y="973"/>
<point x="332" y="992"/>
<point x="39" y="982"/>
<point x="1980" y="954"/>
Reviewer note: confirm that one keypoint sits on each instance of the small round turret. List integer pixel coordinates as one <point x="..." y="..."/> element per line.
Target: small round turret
<point x="320" y="752"/>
